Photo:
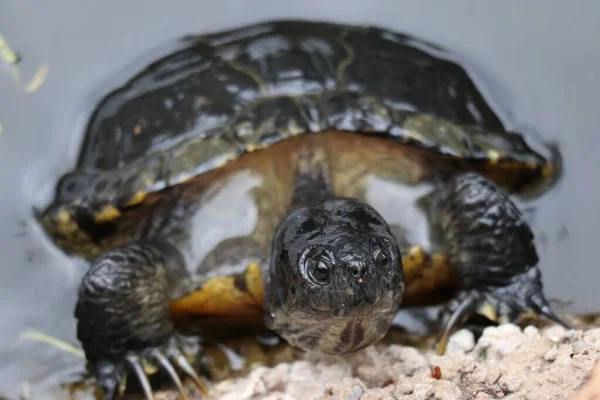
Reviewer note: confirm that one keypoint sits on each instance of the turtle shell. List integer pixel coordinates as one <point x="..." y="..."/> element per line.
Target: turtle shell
<point x="221" y="95"/>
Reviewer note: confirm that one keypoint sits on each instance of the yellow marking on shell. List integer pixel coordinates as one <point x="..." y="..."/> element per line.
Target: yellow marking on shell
<point x="106" y="214"/>
<point x="63" y="217"/>
<point x="64" y="222"/>
<point x="418" y="123"/>
<point x="294" y="128"/>
<point x="341" y="68"/>
<point x="488" y="311"/>
<point x="251" y="147"/>
<point x="137" y="198"/>
<point x="252" y="74"/>
<point x="137" y="129"/>
<point x="224" y="296"/>
<point x="494" y="156"/>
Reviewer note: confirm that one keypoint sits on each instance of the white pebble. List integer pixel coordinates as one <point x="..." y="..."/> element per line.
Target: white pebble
<point x="463" y="340"/>
<point x="556" y="334"/>
<point x="422" y="391"/>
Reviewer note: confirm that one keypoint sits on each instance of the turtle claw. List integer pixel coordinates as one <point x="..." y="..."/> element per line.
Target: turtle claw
<point x="111" y="377"/>
<point x="186" y="367"/>
<point x="540" y="305"/>
<point x="461" y="311"/>
<point x="168" y="367"/>
<point x="134" y="362"/>
<point x="501" y="304"/>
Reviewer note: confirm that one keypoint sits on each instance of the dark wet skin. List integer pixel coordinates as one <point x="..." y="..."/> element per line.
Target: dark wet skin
<point x="321" y="112"/>
<point x="335" y="277"/>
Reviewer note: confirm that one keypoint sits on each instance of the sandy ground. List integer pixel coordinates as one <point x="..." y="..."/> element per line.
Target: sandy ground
<point x="506" y="363"/>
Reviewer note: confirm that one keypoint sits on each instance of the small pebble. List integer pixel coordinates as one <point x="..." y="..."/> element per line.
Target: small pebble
<point x="463" y="340"/>
<point x="377" y="394"/>
<point x="551" y="354"/>
<point x="446" y="390"/>
<point x="531" y="332"/>
<point x="500" y="341"/>
<point x="556" y="334"/>
<point x="404" y="388"/>
<point x="277" y="376"/>
<point x="510" y="383"/>
<point x="409" y="357"/>
<point x="583" y="348"/>
<point x="592" y="335"/>
<point x="422" y="391"/>
<point x="355" y="393"/>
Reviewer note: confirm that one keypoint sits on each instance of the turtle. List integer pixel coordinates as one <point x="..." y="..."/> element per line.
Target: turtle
<point x="307" y="178"/>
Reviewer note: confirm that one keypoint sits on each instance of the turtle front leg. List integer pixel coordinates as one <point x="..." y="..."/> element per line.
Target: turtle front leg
<point x="490" y="249"/>
<point x="123" y="319"/>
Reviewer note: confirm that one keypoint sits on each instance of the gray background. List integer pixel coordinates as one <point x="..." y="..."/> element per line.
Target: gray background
<point x="538" y="61"/>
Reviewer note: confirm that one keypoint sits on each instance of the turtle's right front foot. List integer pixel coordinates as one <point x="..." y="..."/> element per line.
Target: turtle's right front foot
<point x="123" y="316"/>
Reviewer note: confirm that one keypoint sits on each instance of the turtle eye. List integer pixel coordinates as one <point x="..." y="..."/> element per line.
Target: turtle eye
<point x="320" y="271"/>
<point x="383" y="260"/>
<point x="318" y="267"/>
<point x="380" y="255"/>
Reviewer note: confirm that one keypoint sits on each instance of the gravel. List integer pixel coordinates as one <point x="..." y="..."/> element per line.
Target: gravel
<point x="505" y="363"/>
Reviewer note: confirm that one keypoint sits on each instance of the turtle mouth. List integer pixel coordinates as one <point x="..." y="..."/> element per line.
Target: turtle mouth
<point x="362" y="309"/>
<point x="363" y="306"/>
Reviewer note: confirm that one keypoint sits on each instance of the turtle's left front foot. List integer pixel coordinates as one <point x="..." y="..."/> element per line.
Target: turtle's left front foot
<point x="491" y="250"/>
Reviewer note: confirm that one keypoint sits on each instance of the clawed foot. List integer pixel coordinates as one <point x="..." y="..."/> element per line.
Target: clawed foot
<point x="123" y="317"/>
<point x="501" y="304"/>
<point x="112" y="376"/>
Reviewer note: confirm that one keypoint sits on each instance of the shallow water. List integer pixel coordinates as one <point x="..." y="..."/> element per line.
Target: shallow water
<point x="537" y="63"/>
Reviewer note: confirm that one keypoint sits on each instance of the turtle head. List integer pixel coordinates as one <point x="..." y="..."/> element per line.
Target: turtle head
<point x="335" y="278"/>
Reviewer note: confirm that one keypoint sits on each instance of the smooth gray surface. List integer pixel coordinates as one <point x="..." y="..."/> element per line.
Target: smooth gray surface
<point x="541" y="62"/>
